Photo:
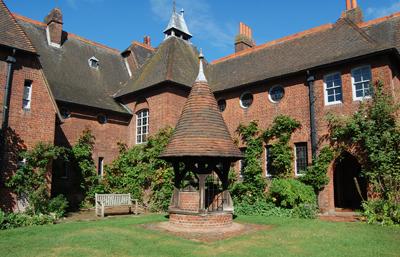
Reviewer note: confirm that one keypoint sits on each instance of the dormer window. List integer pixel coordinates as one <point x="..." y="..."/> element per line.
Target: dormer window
<point x="93" y="63"/>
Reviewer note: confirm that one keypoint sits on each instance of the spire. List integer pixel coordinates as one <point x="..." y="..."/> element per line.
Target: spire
<point x="177" y="25"/>
<point x="201" y="77"/>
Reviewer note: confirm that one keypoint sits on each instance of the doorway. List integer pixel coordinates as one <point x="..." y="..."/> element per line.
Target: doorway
<point x="349" y="186"/>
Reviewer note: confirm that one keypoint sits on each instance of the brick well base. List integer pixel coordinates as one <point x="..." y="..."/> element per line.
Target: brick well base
<point x="213" y="220"/>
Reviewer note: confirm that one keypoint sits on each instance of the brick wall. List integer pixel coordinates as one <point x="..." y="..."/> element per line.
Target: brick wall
<point x="27" y="127"/>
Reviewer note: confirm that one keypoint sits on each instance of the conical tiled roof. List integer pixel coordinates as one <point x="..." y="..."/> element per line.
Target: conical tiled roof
<point x="201" y="130"/>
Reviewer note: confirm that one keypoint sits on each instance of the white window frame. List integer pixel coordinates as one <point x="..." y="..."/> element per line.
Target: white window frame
<point x="240" y="100"/>
<point x="49" y="39"/>
<point x="128" y="67"/>
<point x="269" y="94"/>
<point x="295" y="158"/>
<point x="27" y="107"/>
<point x="142" y="126"/>
<point x="94" y="59"/>
<point x="353" y="86"/>
<point x="326" y="88"/>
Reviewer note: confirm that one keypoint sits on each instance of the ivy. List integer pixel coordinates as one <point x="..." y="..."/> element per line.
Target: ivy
<point x="316" y="175"/>
<point x="30" y="181"/>
<point x="375" y="134"/>
<point x="279" y="136"/>
<point x="81" y="155"/>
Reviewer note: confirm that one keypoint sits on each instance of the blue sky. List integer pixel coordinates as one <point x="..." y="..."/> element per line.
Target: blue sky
<point x="213" y="23"/>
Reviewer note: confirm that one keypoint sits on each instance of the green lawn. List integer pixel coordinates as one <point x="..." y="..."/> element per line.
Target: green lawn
<point x="121" y="237"/>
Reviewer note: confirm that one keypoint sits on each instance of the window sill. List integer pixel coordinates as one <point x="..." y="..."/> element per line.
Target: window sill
<point x="337" y="103"/>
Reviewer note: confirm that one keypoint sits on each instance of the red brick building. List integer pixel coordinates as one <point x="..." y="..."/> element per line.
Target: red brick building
<point x="123" y="97"/>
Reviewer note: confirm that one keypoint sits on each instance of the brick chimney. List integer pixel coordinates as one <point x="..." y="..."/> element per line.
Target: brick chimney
<point x="244" y="39"/>
<point x="147" y="41"/>
<point x="353" y="12"/>
<point x="54" y="21"/>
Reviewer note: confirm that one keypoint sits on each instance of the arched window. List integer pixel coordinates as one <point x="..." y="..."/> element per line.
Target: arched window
<point x="142" y="126"/>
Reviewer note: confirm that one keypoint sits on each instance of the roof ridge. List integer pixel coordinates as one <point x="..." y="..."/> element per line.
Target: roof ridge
<point x="26" y="19"/>
<point x="378" y="20"/>
<point x="143" y="45"/>
<point x="363" y="34"/>
<point x="18" y="26"/>
<point x="275" y="42"/>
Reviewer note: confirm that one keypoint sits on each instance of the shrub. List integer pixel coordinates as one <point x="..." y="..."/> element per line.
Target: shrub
<point x="16" y="220"/>
<point x="305" y="211"/>
<point x="260" y="207"/>
<point x="381" y="211"/>
<point x="290" y="193"/>
<point x="58" y="205"/>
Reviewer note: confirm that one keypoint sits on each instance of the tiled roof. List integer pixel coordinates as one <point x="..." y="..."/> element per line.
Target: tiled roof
<point x="328" y="44"/>
<point x="201" y="130"/>
<point x="70" y="77"/>
<point x="11" y="33"/>
<point x="175" y="60"/>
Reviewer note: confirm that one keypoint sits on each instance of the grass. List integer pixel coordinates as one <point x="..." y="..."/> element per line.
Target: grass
<point x="121" y="237"/>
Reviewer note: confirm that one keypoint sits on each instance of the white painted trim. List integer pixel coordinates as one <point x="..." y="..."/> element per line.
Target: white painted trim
<point x="240" y="100"/>
<point x="269" y="93"/>
<point x="127" y="67"/>
<point x="355" y="98"/>
<point x="49" y="39"/>
<point x="267" y="175"/>
<point x="295" y="159"/>
<point x="28" y="106"/>
<point x="325" y="89"/>
<point x="136" y="127"/>
<point x="101" y="167"/>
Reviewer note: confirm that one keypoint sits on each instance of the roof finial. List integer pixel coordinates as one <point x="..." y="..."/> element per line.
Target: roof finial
<point x="201" y="77"/>
<point x="174" y="6"/>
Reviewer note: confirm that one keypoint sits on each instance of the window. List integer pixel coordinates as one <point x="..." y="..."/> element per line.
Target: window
<point x="65" y="170"/>
<point x="102" y="118"/>
<point x="100" y="167"/>
<point x="361" y="79"/>
<point x="246" y="99"/>
<point x="333" y="88"/>
<point x="27" y="97"/>
<point x="276" y="93"/>
<point x="93" y="62"/>
<point x="142" y="126"/>
<point x="301" y="157"/>
<point x="242" y="163"/>
<point x="268" y="161"/>
<point x="222" y="105"/>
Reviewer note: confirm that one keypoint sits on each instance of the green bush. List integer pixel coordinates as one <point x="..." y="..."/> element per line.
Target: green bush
<point x="58" y="205"/>
<point x="381" y="211"/>
<point x="260" y="208"/>
<point x="305" y="211"/>
<point x="16" y="220"/>
<point x="290" y="193"/>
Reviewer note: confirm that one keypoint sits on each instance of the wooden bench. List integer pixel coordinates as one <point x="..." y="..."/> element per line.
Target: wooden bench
<point x="111" y="200"/>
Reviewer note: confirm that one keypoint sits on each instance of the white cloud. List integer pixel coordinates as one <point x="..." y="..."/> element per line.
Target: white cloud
<point x="200" y="21"/>
<point x="384" y="10"/>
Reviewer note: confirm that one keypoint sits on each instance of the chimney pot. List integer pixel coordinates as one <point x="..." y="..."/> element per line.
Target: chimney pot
<point x="147" y="41"/>
<point x="244" y="39"/>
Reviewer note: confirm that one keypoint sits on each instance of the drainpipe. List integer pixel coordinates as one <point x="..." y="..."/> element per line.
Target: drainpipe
<point x="6" y="102"/>
<point x="313" y="123"/>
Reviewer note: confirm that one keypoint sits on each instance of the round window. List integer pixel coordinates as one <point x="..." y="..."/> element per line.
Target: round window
<point x="246" y="100"/>
<point x="102" y="118"/>
<point x="276" y="94"/>
<point x="222" y="105"/>
<point x="65" y="113"/>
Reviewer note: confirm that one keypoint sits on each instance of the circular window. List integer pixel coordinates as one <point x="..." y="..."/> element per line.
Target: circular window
<point x="222" y="105"/>
<point x="102" y="118"/>
<point x="65" y="113"/>
<point x="276" y="94"/>
<point x="246" y="100"/>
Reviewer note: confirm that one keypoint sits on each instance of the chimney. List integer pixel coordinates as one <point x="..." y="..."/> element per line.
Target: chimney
<point x="353" y="12"/>
<point x="54" y="21"/>
<point x="147" y="41"/>
<point x="244" y="39"/>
